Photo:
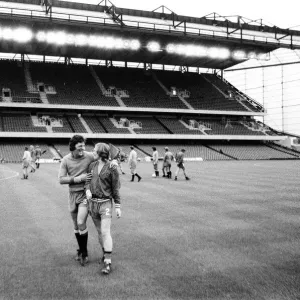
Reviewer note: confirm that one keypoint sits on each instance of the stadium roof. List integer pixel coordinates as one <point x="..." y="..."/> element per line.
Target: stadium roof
<point x="179" y="40"/>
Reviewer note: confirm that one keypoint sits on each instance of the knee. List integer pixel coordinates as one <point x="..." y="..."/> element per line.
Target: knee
<point x="81" y="225"/>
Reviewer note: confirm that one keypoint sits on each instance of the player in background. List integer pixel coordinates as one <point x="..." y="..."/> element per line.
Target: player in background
<point x="26" y="163"/>
<point x="121" y="158"/>
<point x="101" y="191"/>
<point x="38" y="154"/>
<point x="132" y="161"/>
<point x="180" y="163"/>
<point x="155" y="162"/>
<point x="168" y="157"/>
<point x="32" y="163"/>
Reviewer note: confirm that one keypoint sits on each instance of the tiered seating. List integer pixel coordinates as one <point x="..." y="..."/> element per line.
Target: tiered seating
<point x="149" y="126"/>
<point x="66" y="126"/>
<point x="74" y="84"/>
<point x="143" y="90"/>
<point x="251" y="152"/>
<point x="203" y="95"/>
<point x="235" y="128"/>
<point x="176" y="127"/>
<point x="76" y="123"/>
<point x="12" y="77"/>
<point x="19" y="123"/>
<point x="12" y="152"/>
<point x="225" y="88"/>
<point x="292" y="152"/>
<point x="94" y="124"/>
<point x="109" y="126"/>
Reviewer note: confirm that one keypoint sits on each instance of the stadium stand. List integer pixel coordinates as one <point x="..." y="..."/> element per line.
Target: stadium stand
<point x="12" y="152"/>
<point x="12" y="77"/>
<point x="176" y="126"/>
<point x="251" y="151"/>
<point x="149" y="126"/>
<point x="143" y="90"/>
<point x="76" y="124"/>
<point x="232" y="92"/>
<point x="94" y="124"/>
<point x="110" y="127"/>
<point x="74" y="84"/>
<point x="203" y="95"/>
<point x="192" y="151"/>
<point x="66" y="125"/>
<point x="20" y="122"/>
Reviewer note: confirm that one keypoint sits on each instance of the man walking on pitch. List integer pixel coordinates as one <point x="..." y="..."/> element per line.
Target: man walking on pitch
<point x="73" y="171"/>
<point x="132" y="161"/>
<point x="26" y="162"/>
<point x="180" y="163"/>
<point x="155" y="162"/>
<point x="32" y="162"/>
<point x="101" y="192"/>
<point x="168" y="157"/>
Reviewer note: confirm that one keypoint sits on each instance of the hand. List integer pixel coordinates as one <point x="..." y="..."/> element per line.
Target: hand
<point x="83" y="178"/>
<point x="88" y="194"/>
<point x="113" y="164"/>
<point x="118" y="212"/>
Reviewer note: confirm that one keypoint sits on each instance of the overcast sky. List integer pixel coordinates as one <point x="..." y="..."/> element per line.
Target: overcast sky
<point x="283" y="14"/>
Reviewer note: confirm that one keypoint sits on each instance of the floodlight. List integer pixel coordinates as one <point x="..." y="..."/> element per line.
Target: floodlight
<point x="170" y="48"/>
<point x="41" y="36"/>
<point x="101" y="41"/>
<point x="135" y="44"/>
<point x="153" y="46"/>
<point x="252" y="55"/>
<point x="239" y="54"/>
<point x="81" y="40"/>
<point x="200" y="51"/>
<point x="190" y="50"/>
<point x="180" y="49"/>
<point x="22" y="35"/>
<point x="51" y="37"/>
<point x="213" y="52"/>
<point x="7" y="33"/>
<point x="61" y="38"/>
<point x="70" y="39"/>
<point x="92" y="41"/>
<point x="262" y="56"/>
<point x="118" y="43"/>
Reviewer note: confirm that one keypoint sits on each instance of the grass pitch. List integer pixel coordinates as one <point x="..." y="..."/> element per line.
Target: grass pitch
<point x="232" y="232"/>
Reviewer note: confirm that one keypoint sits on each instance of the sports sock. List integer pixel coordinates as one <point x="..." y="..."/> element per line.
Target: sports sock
<point x="83" y="242"/>
<point x="107" y="257"/>
<point x="77" y="235"/>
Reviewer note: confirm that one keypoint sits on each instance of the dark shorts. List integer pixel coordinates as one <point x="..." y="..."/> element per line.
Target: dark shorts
<point x="75" y="199"/>
<point x="100" y="210"/>
<point x="181" y="166"/>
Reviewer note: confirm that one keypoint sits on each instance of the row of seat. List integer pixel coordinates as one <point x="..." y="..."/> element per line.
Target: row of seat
<point x="13" y="151"/>
<point x="102" y="124"/>
<point x="76" y="84"/>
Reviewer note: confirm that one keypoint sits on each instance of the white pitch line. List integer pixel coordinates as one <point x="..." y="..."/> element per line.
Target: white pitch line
<point x="16" y="174"/>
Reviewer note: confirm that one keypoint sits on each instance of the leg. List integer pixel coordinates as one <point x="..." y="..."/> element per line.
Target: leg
<point x="107" y="244"/>
<point x="83" y="231"/>
<point x="97" y="223"/>
<point x="176" y="173"/>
